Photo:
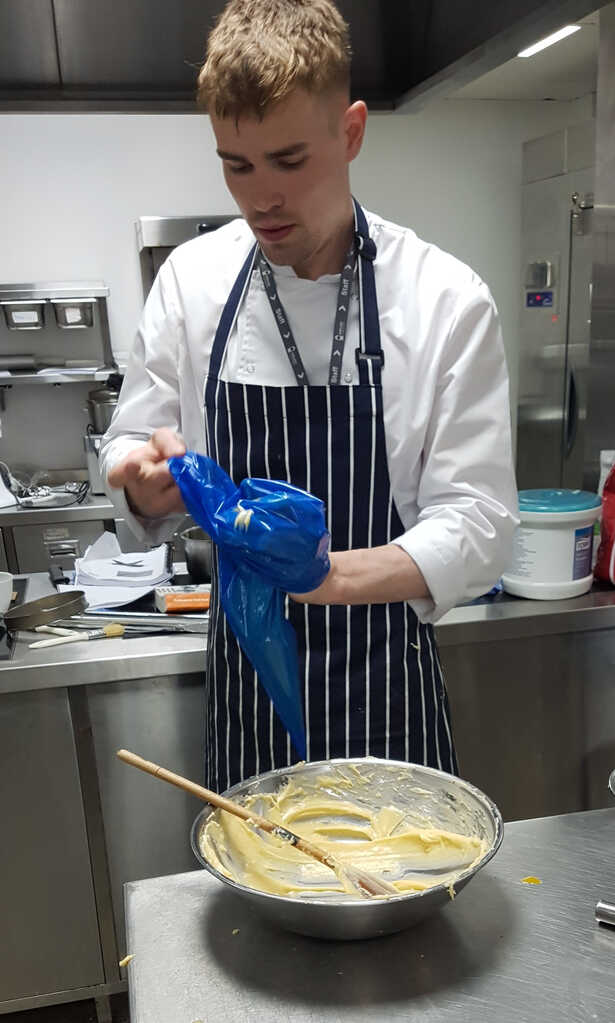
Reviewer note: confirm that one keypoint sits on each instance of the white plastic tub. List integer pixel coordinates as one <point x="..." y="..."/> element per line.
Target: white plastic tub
<point x="552" y="556"/>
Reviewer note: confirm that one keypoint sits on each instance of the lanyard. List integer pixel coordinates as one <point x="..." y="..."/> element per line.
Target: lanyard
<point x="340" y="322"/>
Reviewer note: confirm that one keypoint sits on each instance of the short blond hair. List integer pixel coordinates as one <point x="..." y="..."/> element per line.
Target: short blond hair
<point x="261" y="50"/>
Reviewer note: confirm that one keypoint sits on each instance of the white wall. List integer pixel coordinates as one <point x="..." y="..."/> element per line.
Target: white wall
<point x="72" y="186"/>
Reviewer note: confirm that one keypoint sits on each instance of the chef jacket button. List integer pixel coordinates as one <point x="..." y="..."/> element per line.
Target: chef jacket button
<point x="348" y="377"/>
<point x="250" y="367"/>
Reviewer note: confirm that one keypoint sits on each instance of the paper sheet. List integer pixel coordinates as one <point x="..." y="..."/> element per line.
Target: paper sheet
<point x="111" y="578"/>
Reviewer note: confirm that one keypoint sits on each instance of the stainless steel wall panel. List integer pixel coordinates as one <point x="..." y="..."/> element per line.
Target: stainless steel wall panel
<point x="577" y="337"/>
<point x="140" y="43"/>
<point x="147" y="823"/>
<point x="544" y="157"/>
<point x="542" y="334"/>
<point x="28" y="55"/>
<point x="554" y="340"/>
<point x="517" y="714"/>
<point x="580" y="145"/>
<point x="601" y="416"/>
<point x="48" y="917"/>
<point x="593" y="662"/>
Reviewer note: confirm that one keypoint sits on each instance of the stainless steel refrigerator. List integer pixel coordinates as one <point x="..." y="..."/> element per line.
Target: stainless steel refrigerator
<point x="555" y="307"/>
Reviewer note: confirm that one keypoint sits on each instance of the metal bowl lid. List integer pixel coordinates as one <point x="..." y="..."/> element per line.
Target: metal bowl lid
<point x="554" y="501"/>
<point x="53" y="608"/>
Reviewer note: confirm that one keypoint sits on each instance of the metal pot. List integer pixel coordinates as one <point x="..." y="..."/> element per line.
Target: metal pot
<point x="102" y="403"/>
<point x="197" y="547"/>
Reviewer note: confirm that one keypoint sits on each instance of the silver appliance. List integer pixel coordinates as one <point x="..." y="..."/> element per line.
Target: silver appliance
<point x="102" y="403"/>
<point x="158" y="236"/>
<point x="556" y="245"/>
<point x="601" y="418"/>
<point x="567" y="363"/>
<point x="91" y="443"/>
<point x="156" y="239"/>
<point x="55" y="324"/>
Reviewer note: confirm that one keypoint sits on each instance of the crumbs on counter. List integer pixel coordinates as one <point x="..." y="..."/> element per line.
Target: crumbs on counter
<point x="531" y="880"/>
<point x="126" y="960"/>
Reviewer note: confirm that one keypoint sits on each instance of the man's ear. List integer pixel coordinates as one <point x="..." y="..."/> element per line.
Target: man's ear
<point x="355" y="118"/>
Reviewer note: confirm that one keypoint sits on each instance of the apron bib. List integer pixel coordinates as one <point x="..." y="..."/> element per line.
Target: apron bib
<point x="370" y="674"/>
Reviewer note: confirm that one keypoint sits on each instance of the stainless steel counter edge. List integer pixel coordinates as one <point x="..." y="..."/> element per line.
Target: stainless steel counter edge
<point x="116" y="660"/>
<point x="94" y="507"/>
<point x="515" y="618"/>
<point x="101" y="660"/>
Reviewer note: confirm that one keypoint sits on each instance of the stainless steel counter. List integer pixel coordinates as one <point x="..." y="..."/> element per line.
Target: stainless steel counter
<point x="105" y="660"/>
<point x="534" y="723"/>
<point x="501" y="951"/>
<point x="504" y="618"/>
<point x="64" y="910"/>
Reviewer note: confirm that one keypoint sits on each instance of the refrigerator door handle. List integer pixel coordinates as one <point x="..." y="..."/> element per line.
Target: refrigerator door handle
<point x="572" y="415"/>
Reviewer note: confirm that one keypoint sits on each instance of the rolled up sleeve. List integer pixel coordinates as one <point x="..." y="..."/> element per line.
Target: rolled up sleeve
<point x="467" y="497"/>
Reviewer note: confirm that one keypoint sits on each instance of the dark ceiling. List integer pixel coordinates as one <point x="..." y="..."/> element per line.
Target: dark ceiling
<point x="144" y="54"/>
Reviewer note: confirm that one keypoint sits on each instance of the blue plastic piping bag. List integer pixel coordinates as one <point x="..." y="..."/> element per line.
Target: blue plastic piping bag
<point x="271" y="539"/>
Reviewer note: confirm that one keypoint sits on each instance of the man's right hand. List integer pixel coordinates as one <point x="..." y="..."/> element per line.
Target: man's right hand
<point x="144" y="475"/>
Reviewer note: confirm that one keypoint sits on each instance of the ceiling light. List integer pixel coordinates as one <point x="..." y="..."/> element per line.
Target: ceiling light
<point x="567" y="30"/>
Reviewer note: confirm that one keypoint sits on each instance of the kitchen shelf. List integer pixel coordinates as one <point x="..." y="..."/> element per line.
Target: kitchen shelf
<point x="59" y="376"/>
<point x="56" y="377"/>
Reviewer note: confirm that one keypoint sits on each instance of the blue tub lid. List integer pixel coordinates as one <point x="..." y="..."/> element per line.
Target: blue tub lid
<point x="557" y="500"/>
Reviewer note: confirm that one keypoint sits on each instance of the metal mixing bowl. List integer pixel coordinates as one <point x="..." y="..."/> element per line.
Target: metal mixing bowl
<point x="448" y="802"/>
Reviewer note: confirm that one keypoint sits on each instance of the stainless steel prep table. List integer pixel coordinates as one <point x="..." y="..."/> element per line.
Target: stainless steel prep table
<point x="531" y="688"/>
<point x="90" y="663"/>
<point x="64" y="711"/>
<point x="505" y="951"/>
<point x="504" y="620"/>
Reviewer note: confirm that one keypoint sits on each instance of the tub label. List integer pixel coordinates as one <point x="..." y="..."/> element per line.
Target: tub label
<point x="549" y="556"/>
<point x="524" y="552"/>
<point x="583" y="543"/>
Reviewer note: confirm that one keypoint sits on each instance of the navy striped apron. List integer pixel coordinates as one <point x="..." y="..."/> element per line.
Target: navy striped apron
<point x="370" y="675"/>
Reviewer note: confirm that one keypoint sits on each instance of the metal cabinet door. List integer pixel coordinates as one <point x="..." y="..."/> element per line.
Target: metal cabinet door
<point x="49" y="922"/>
<point x="58" y="543"/>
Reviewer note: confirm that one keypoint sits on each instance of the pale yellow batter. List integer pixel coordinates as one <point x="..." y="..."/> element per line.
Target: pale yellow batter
<point x="384" y="841"/>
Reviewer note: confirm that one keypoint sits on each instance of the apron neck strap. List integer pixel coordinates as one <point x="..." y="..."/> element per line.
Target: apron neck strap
<point x="229" y="313"/>
<point x="369" y="356"/>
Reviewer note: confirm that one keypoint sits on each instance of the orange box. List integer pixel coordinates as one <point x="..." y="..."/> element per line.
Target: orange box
<point x="182" y="599"/>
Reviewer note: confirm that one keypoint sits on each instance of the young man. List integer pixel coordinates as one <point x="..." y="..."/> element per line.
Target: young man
<point x="314" y="342"/>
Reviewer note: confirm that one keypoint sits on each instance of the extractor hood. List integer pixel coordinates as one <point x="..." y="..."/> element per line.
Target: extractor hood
<point x="144" y="54"/>
<point x="158" y="236"/>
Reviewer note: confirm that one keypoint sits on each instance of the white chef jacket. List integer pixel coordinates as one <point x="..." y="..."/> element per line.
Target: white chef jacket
<point x="444" y="382"/>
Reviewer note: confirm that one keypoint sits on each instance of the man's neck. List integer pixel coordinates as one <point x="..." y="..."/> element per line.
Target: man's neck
<point x="330" y="257"/>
